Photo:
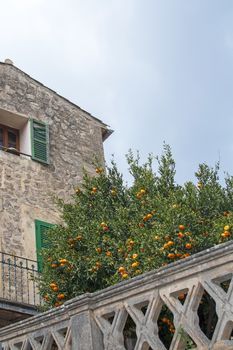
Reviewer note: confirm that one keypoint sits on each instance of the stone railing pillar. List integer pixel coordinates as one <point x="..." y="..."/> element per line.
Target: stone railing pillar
<point x="85" y="334"/>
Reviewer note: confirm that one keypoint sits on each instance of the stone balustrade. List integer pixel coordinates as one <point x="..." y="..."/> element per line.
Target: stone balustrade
<point x="135" y="313"/>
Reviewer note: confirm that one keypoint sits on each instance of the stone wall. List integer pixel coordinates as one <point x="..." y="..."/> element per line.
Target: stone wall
<point x="99" y="321"/>
<point x="27" y="187"/>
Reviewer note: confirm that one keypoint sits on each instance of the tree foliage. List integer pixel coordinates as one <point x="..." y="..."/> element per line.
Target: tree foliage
<point x="112" y="232"/>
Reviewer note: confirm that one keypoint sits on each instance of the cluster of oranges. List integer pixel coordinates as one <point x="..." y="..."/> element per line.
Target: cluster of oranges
<point x="171" y="243"/>
<point x="148" y="216"/>
<point x="169" y="324"/>
<point x="59" y="263"/>
<point x="123" y="272"/>
<point x="134" y="265"/>
<point x="129" y="244"/>
<point x="226" y="232"/>
<point x="54" y="286"/>
<point x="60" y="296"/>
<point x="72" y="241"/>
<point x="96" y="267"/>
<point x="140" y="193"/>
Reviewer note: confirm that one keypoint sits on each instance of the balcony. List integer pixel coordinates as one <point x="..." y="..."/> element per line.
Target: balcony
<point x="18" y="293"/>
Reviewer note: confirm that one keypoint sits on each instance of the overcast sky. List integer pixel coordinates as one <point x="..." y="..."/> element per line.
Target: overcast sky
<point x="154" y="70"/>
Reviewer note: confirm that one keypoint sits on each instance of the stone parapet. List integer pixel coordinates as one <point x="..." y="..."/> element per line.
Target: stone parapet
<point x="100" y="321"/>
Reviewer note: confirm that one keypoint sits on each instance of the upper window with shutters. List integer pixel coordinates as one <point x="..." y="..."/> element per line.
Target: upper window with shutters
<point x="24" y="136"/>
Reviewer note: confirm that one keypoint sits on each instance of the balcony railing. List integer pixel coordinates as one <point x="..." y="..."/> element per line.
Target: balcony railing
<point x="18" y="279"/>
<point x="129" y="315"/>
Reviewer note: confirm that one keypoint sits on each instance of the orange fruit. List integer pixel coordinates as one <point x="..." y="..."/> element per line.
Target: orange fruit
<point x="125" y="275"/>
<point x="108" y="253"/>
<point x="227" y="228"/>
<point x="181" y="227"/>
<point x="225" y="234"/>
<point x="149" y="216"/>
<point x="58" y="303"/>
<point x="99" y="250"/>
<point x="121" y="269"/>
<point x="180" y="235"/>
<point x="55" y="289"/>
<point x="135" y="264"/>
<point x="171" y="256"/>
<point x="60" y="296"/>
<point x="134" y="256"/>
<point x="46" y="297"/>
<point x="52" y="285"/>
<point x="188" y="245"/>
<point x="63" y="261"/>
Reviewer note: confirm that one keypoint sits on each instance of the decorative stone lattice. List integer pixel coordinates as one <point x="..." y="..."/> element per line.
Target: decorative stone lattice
<point x="128" y="316"/>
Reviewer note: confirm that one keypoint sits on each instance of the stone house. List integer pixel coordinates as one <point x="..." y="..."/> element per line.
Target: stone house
<point x="45" y="141"/>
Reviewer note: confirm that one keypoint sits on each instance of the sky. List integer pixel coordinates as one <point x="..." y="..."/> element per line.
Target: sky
<point x="154" y="70"/>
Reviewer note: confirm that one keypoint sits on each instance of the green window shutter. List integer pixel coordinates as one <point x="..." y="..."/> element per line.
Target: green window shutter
<point x="40" y="141"/>
<point x="41" y="239"/>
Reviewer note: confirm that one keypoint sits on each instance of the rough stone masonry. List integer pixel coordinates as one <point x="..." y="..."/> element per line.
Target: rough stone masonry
<point x="27" y="187"/>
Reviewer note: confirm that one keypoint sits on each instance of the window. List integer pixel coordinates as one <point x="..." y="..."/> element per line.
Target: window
<point x="41" y="239"/>
<point x="23" y="135"/>
<point x="9" y="139"/>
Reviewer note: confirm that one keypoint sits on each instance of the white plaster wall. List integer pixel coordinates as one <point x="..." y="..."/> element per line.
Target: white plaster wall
<point x="25" y="138"/>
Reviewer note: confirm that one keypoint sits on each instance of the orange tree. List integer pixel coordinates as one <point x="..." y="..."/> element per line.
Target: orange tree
<point x="113" y="232"/>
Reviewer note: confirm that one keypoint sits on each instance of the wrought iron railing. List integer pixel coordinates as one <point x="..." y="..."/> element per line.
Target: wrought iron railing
<point x="18" y="279"/>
